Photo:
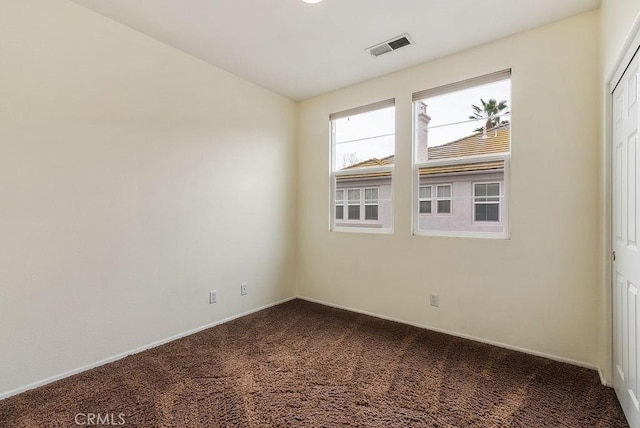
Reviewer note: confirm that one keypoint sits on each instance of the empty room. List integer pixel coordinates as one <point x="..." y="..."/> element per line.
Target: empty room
<point x="319" y="213"/>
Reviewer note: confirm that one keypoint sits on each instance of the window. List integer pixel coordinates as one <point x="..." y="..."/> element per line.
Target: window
<point x="339" y="204"/>
<point x="425" y="199"/>
<point x="362" y="205"/>
<point x="371" y="204"/>
<point x="486" y="201"/>
<point x="362" y="151"/>
<point x="353" y="203"/>
<point x="444" y="199"/>
<point x="462" y="150"/>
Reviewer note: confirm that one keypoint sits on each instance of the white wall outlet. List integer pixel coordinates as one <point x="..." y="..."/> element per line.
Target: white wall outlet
<point x="213" y="297"/>
<point x="434" y="299"/>
<point x="243" y="289"/>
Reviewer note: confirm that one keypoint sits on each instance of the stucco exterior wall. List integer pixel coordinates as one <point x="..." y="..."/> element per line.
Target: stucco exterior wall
<point x="461" y="218"/>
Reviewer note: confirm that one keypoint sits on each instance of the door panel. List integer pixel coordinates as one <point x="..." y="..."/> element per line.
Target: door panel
<point x="618" y="325"/>
<point x="632" y="162"/>
<point x="618" y="191"/>
<point x="626" y="265"/>
<point x="632" y="367"/>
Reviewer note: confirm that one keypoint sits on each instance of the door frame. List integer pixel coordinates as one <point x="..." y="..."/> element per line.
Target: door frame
<point x="629" y="48"/>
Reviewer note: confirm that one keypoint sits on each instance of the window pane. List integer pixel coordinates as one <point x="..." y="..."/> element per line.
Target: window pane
<point x="481" y="212"/>
<point x="493" y="212"/>
<point x="371" y="212"/>
<point x="480" y="190"/>
<point x="444" y="191"/>
<point x="363" y="149"/>
<point x="425" y="192"/>
<point x="370" y="195"/>
<point x="364" y="137"/>
<point x="339" y="212"/>
<point x="354" y="212"/>
<point x="487" y="192"/>
<point x="493" y="189"/>
<point x="340" y="195"/>
<point x="487" y="212"/>
<point x="444" y="207"/>
<point x="462" y="149"/>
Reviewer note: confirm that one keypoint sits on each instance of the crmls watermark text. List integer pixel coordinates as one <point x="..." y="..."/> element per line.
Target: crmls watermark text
<point x="95" y="419"/>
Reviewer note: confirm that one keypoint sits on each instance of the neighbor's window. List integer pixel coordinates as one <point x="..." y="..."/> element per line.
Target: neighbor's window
<point x="462" y="138"/>
<point x="362" y="204"/>
<point x="371" y="204"/>
<point x="444" y="199"/>
<point x="362" y="150"/>
<point x="354" y="204"/>
<point x="486" y="201"/>
<point x="425" y="199"/>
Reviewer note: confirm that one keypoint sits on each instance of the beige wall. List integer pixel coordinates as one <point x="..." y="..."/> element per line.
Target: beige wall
<point x="617" y="20"/>
<point x="537" y="291"/>
<point x="133" y="179"/>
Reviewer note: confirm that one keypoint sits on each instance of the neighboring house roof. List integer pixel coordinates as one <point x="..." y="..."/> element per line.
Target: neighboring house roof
<point x="496" y="141"/>
<point x="368" y="164"/>
<point x="469" y="167"/>
<point x="372" y="162"/>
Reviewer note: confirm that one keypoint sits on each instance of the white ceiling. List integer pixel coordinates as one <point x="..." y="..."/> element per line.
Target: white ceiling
<point x="300" y="50"/>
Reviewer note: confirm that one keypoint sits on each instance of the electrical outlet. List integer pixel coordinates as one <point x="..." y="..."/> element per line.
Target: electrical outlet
<point x="243" y="289"/>
<point x="213" y="297"/>
<point x="434" y="299"/>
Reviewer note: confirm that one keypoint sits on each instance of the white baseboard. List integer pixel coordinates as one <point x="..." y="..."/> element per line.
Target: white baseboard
<point x="602" y="380"/>
<point x="453" y="333"/>
<point x="134" y="351"/>
<point x="225" y="320"/>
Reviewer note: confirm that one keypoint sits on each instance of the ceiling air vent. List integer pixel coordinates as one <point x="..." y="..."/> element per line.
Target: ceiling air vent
<point x="390" y="45"/>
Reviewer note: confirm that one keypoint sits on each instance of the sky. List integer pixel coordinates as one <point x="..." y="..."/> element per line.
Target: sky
<point x="354" y="134"/>
<point x="370" y="135"/>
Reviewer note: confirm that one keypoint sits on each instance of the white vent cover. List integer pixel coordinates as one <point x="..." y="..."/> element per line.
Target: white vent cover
<point x="390" y="45"/>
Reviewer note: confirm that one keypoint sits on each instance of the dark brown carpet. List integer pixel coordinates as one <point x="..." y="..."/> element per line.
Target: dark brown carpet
<point x="305" y="365"/>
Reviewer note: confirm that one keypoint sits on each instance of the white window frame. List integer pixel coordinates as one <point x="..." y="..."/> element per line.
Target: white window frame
<point x="438" y="199"/>
<point x="417" y="165"/>
<point x="474" y="202"/>
<point x="365" y="226"/>
<point x="421" y="199"/>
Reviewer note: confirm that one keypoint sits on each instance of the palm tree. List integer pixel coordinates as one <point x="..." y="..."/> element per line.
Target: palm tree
<point x="491" y="113"/>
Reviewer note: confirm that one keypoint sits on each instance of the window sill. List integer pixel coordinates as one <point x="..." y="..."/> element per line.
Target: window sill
<point x="362" y="228"/>
<point x="451" y="234"/>
<point x="359" y="223"/>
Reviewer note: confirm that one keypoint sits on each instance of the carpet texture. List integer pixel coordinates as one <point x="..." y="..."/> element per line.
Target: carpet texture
<point x="301" y="364"/>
